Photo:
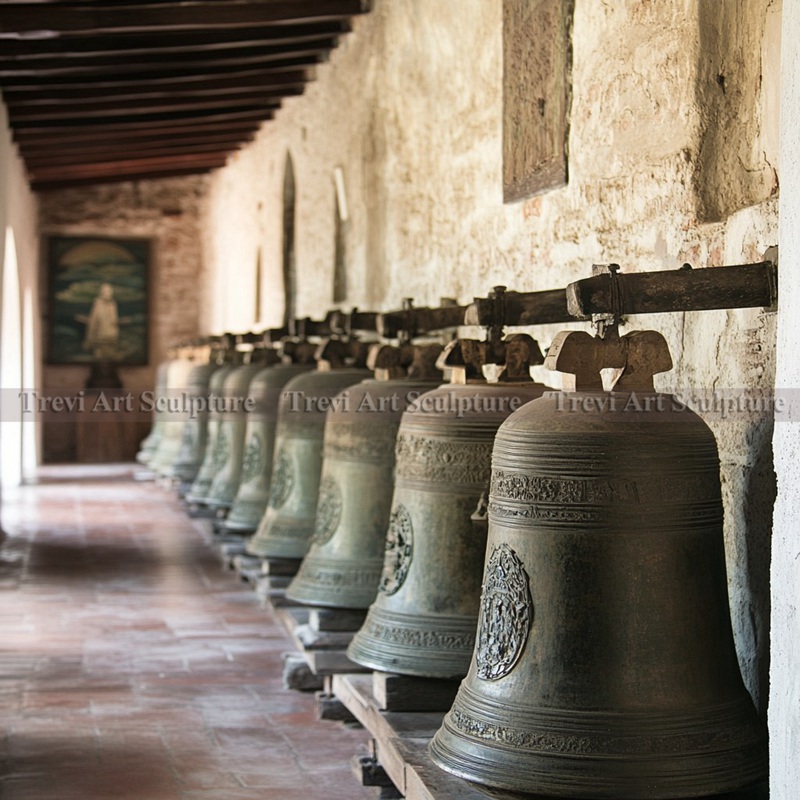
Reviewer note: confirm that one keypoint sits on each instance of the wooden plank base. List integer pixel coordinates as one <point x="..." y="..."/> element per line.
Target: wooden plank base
<point x="298" y="676"/>
<point x="336" y="619"/>
<point x="394" y="692"/>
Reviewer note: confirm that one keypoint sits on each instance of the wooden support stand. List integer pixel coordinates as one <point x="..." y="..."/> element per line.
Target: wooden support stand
<point x="248" y="567"/>
<point x="298" y="676"/>
<point x="271" y="591"/>
<point x="196" y="511"/>
<point x="407" y="693"/>
<point x="325" y="649"/>
<point x="229" y="550"/>
<point x="401" y="746"/>
<point x="370" y="773"/>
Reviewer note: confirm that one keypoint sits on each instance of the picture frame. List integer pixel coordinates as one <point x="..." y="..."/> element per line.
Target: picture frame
<point x="98" y="299"/>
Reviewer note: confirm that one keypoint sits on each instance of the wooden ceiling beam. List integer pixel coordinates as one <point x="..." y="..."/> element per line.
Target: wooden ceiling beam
<point x="104" y="143"/>
<point x="69" y="157"/>
<point x="59" y="184"/>
<point x="120" y="167"/>
<point x="250" y="112"/>
<point x="177" y="123"/>
<point x="123" y="90"/>
<point x="97" y="134"/>
<point x="125" y="62"/>
<point x="73" y="70"/>
<point x="29" y="20"/>
<point x="173" y="41"/>
<point x="84" y="113"/>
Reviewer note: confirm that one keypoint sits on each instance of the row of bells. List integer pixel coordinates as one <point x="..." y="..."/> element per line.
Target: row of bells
<point x="568" y="566"/>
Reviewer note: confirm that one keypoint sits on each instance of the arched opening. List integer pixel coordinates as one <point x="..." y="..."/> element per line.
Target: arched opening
<point x="10" y="369"/>
<point x="30" y="429"/>
<point x="289" y="277"/>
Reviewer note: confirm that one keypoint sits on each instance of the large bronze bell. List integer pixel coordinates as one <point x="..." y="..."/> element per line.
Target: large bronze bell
<point x="232" y="426"/>
<point x="342" y="567"/>
<point x="196" y="495"/>
<point x="150" y="442"/>
<point x="251" y="498"/>
<point x="422" y="621"/>
<point x="169" y="445"/>
<point x="190" y="454"/>
<point x="605" y="665"/>
<point x="287" y="526"/>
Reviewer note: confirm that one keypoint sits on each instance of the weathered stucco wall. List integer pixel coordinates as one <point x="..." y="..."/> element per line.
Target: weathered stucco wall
<point x="672" y="158"/>
<point x="167" y="212"/>
<point x="784" y="705"/>
<point x="19" y="213"/>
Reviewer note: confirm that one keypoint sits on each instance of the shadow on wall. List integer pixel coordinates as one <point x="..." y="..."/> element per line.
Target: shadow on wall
<point x="759" y="494"/>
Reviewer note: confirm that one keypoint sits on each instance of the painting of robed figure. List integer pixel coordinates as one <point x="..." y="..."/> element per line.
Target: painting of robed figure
<point x="98" y="300"/>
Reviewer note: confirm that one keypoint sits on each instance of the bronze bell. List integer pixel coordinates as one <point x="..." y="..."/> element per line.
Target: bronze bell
<point x="286" y="528"/>
<point x="195" y="427"/>
<point x="232" y="427"/>
<point x="196" y="495"/>
<point x="342" y="567"/>
<point x="252" y="495"/>
<point x="150" y="442"/>
<point x="605" y="665"/>
<point x="422" y="621"/>
<point x="169" y="445"/>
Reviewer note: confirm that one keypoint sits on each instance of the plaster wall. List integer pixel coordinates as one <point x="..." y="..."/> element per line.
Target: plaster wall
<point x="167" y="212"/>
<point x="19" y="211"/>
<point x="672" y="159"/>
<point x="784" y="705"/>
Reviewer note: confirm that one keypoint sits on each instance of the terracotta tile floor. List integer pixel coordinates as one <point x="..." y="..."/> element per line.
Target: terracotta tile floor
<point x="133" y="667"/>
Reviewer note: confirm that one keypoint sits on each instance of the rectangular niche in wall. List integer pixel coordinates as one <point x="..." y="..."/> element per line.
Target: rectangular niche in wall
<point x="537" y="65"/>
<point x="97" y="299"/>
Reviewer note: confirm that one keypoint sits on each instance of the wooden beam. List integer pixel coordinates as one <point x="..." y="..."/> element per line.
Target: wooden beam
<point x="155" y="97"/>
<point x="122" y="91"/>
<point x="111" y="108"/>
<point x="709" y="288"/>
<point x="123" y="62"/>
<point x="201" y="160"/>
<point x="169" y="66"/>
<point x="72" y="183"/>
<point x="96" y="135"/>
<point x="102" y="143"/>
<point x="178" y="122"/>
<point x="173" y="41"/>
<point x="26" y="20"/>
<point x="263" y="110"/>
<point x="69" y="158"/>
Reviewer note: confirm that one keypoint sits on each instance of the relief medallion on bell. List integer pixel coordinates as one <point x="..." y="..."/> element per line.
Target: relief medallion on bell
<point x="329" y="511"/>
<point x="253" y="458"/>
<point x="506" y="614"/>
<point x="282" y="479"/>
<point x="399" y="548"/>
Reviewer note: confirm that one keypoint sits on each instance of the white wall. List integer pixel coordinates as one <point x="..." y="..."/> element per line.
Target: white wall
<point x="784" y="707"/>
<point x="19" y="213"/>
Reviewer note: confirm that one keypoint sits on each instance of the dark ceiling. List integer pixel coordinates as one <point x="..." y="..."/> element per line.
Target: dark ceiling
<point x="116" y="90"/>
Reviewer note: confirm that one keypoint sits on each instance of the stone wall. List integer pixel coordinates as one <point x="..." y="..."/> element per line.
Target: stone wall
<point x="167" y="212"/>
<point x="672" y="159"/>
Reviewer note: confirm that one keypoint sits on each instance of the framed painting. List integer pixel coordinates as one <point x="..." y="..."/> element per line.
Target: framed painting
<point x="98" y="299"/>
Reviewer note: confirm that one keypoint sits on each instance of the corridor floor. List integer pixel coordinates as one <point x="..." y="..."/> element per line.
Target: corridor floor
<point x="133" y="667"/>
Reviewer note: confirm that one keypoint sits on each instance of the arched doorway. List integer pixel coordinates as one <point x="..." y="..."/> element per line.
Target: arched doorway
<point x="10" y="368"/>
